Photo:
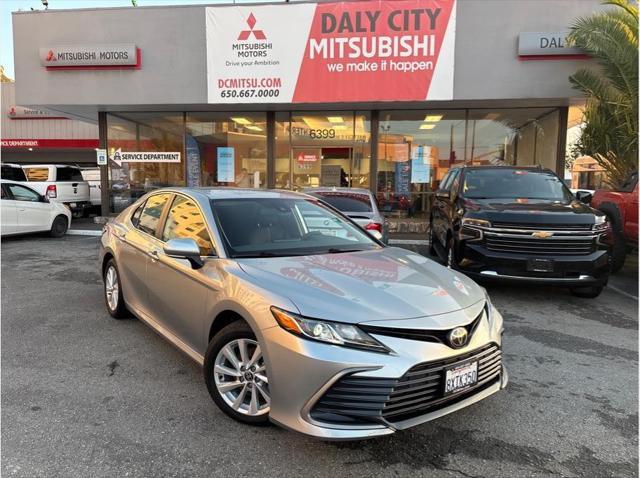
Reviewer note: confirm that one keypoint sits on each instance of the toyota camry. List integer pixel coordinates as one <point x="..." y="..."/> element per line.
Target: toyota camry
<point x="299" y="316"/>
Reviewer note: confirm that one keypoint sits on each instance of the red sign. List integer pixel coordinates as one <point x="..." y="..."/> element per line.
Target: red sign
<point x="400" y="50"/>
<point x="50" y="143"/>
<point x="307" y="158"/>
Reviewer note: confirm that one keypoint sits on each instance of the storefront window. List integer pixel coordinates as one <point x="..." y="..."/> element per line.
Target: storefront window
<point x="143" y="132"/>
<point x="416" y="148"/>
<point x="323" y="150"/>
<point x="518" y="136"/>
<point x="225" y="149"/>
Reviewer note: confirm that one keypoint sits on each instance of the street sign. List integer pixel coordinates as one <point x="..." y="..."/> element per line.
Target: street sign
<point x="101" y="157"/>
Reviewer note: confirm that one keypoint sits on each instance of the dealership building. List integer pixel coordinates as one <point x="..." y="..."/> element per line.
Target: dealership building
<point x="383" y="95"/>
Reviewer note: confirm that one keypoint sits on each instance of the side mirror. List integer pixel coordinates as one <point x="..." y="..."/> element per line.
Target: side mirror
<point x="584" y="196"/>
<point x="185" y="248"/>
<point x="443" y="194"/>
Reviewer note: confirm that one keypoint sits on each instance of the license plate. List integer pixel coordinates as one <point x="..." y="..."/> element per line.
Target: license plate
<point x="540" y="265"/>
<point x="72" y="204"/>
<point x="461" y="378"/>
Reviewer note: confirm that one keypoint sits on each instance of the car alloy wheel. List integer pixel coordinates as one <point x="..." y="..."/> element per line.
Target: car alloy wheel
<point x="111" y="288"/>
<point x="241" y="379"/>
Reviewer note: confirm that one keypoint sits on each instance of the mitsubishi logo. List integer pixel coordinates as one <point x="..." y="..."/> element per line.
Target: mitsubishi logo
<point x="245" y="34"/>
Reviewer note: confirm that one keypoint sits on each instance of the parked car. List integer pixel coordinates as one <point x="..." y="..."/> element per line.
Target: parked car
<point x="60" y="183"/>
<point x="12" y="172"/>
<point x="25" y="210"/>
<point x="519" y="224"/>
<point x="92" y="176"/>
<point x="332" y="335"/>
<point x="358" y="204"/>
<point x="621" y="208"/>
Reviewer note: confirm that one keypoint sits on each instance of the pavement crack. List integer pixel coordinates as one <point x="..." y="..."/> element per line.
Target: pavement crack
<point x="112" y="368"/>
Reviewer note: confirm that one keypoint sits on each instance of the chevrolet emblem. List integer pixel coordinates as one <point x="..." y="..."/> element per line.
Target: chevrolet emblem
<point x="542" y="234"/>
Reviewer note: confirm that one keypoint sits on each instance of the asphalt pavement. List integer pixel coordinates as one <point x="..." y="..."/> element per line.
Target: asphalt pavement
<point x="84" y="395"/>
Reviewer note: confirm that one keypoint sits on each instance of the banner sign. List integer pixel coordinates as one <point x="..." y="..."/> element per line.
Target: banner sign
<point x="192" y="151"/>
<point x="21" y="112"/>
<point x="119" y="157"/>
<point x="226" y="164"/>
<point x="331" y="52"/>
<point x="50" y="143"/>
<point x="533" y="44"/>
<point x="103" y="55"/>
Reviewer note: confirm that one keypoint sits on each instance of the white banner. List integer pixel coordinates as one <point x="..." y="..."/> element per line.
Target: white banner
<point x="119" y="157"/>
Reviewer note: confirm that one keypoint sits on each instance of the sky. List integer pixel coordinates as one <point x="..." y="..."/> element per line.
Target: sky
<point x="8" y="6"/>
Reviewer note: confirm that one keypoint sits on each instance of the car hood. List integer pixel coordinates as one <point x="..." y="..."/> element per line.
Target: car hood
<point x="384" y="284"/>
<point x="532" y="211"/>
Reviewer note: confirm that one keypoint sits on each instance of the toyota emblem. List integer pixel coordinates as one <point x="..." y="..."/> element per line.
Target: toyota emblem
<point x="458" y="337"/>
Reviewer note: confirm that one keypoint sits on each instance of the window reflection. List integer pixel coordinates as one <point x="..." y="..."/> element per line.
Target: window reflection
<point x="151" y="213"/>
<point x="227" y="149"/>
<point x="185" y="221"/>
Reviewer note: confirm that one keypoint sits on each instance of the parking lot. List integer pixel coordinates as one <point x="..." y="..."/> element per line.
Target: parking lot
<point x="85" y="395"/>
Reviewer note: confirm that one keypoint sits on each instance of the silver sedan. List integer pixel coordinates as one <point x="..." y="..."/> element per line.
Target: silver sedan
<point x="297" y="315"/>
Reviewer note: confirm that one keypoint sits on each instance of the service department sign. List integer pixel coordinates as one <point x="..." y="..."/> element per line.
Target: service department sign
<point x="103" y="55"/>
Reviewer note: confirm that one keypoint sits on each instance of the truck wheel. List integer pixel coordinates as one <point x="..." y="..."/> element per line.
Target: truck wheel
<point x="618" y="250"/>
<point x="587" y="292"/>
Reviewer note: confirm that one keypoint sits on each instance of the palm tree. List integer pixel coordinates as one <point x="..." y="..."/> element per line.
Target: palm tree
<point x="610" y="134"/>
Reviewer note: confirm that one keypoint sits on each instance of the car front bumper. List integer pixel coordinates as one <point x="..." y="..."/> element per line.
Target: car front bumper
<point x="303" y="372"/>
<point x="568" y="270"/>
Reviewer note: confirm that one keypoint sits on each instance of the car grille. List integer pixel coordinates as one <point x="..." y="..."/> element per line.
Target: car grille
<point x="360" y="400"/>
<point x="555" y="245"/>
<point x="438" y="336"/>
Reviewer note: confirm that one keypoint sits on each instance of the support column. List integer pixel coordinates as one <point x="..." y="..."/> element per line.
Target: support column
<point x="271" y="149"/>
<point x="373" y="167"/>
<point x="104" y="170"/>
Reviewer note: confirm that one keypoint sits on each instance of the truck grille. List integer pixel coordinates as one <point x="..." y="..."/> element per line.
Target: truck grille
<point x="360" y="400"/>
<point x="542" y="227"/>
<point x="526" y="244"/>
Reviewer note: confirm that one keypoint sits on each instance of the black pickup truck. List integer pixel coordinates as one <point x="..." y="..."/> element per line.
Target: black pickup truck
<point x="520" y="224"/>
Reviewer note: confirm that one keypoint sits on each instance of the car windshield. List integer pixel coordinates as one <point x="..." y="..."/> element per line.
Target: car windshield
<point x="343" y="201"/>
<point x="508" y="183"/>
<point x="272" y="227"/>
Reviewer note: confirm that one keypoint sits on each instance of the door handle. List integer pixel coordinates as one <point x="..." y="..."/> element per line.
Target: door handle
<point x="153" y="254"/>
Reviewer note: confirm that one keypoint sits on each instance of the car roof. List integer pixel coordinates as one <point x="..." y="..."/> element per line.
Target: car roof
<point x="48" y="165"/>
<point x="13" y="165"/>
<point x="238" y="193"/>
<point x="492" y="166"/>
<point x="9" y="181"/>
<point x="328" y="189"/>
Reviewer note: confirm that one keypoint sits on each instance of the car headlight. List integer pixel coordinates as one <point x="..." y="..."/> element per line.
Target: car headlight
<point x="495" y="318"/>
<point x="325" y="331"/>
<point x="471" y="222"/>
<point x="601" y="224"/>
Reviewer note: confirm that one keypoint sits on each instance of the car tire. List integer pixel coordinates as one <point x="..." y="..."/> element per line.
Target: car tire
<point x="113" y="298"/>
<point x="432" y="238"/>
<point x="231" y="383"/>
<point x="618" y="251"/>
<point x="59" y="226"/>
<point x="450" y="257"/>
<point x="587" y="292"/>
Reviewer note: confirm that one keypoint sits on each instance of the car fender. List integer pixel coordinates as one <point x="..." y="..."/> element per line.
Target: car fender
<point x="613" y="212"/>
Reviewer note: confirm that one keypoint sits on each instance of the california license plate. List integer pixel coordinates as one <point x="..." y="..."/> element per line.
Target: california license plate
<point x="461" y="377"/>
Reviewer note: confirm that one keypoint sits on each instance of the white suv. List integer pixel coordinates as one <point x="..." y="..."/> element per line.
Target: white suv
<point x="60" y="183"/>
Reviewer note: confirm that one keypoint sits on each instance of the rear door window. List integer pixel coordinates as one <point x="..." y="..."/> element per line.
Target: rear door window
<point x="37" y="174"/>
<point x="150" y="215"/>
<point x="13" y="174"/>
<point x="21" y="193"/>
<point x="186" y="221"/>
<point x="69" y="174"/>
<point x="347" y="202"/>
